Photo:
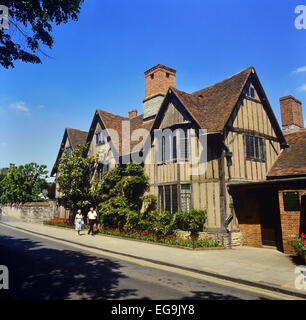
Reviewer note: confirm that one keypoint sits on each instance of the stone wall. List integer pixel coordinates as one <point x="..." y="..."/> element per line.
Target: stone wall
<point x="236" y="237"/>
<point x="30" y="212"/>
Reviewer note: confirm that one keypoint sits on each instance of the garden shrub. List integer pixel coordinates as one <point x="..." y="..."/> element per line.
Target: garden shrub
<point x="132" y="220"/>
<point x="114" y="212"/>
<point x="192" y="221"/>
<point x="299" y="244"/>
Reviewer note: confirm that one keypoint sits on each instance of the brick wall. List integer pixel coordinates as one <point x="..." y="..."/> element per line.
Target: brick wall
<point x="247" y="212"/>
<point x="291" y="112"/>
<point x="158" y="80"/>
<point x="290" y="222"/>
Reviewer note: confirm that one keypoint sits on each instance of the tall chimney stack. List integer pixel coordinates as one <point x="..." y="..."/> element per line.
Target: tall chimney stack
<point x="157" y="82"/>
<point x="292" y="114"/>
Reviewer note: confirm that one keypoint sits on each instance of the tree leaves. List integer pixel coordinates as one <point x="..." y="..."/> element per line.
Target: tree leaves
<point x="32" y="20"/>
<point x="23" y="184"/>
<point x="75" y="177"/>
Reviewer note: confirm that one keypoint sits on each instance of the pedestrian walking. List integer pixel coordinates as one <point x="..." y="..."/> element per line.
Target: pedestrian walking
<point x="78" y="221"/>
<point x="91" y="219"/>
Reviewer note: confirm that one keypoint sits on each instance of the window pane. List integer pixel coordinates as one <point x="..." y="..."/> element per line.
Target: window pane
<point x="158" y="147"/>
<point x="184" y="145"/>
<point x="174" y="198"/>
<point x="167" y="149"/>
<point x="167" y="198"/>
<point x="185" y="198"/>
<point x="161" y="198"/>
<point x="252" y="147"/>
<point x="174" y="148"/>
<point x="257" y="148"/>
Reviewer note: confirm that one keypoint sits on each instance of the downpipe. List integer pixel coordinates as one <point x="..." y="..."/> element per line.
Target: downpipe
<point x="229" y="219"/>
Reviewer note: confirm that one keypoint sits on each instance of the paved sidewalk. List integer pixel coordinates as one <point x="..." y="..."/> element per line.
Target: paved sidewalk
<point x="265" y="268"/>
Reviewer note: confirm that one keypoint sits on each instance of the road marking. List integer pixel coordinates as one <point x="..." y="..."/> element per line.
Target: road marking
<point x="155" y="266"/>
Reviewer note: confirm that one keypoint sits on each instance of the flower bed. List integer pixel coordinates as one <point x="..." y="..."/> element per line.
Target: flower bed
<point x="187" y="241"/>
<point x="64" y="223"/>
<point x="299" y="245"/>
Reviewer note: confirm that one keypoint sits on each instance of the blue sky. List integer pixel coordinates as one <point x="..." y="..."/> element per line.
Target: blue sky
<point x="98" y="62"/>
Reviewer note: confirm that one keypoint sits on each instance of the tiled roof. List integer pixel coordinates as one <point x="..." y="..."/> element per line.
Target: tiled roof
<point x="292" y="161"/>
<point x="4" y="171"/>
<point x="211" y="107"/>
<point x="114" y="122"/>
<point x="76" y="137"/>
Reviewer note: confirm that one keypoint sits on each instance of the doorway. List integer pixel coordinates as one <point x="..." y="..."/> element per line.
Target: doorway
<point x="270" y="218"/>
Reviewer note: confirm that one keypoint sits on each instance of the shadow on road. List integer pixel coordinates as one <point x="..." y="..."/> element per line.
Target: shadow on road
<point x="41" y="273"/>
<point x="208" y="295"/>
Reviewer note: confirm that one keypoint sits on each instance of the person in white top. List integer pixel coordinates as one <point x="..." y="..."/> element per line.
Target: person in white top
<point x="91" y="218"/>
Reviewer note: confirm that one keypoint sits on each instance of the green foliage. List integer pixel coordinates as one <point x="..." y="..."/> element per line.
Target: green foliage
<point x="120" y="195"/>
<point x="31" y="24"/>
<point x="144" y="235"/>
<point x="299" y="244"/>
<point x="193" y="221"/>
<point x="149" y="203"/>
<point x="75" y="174"/>
<point x="114" y="212"/>
<point x="23" y="184"/>
<point x="132" y="220"/>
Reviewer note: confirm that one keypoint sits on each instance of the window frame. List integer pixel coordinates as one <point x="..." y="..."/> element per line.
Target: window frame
<point x="257" y="147"/>
<point x="100" y="138"/>
<point x="175" y="154"/>
<point x="250" y="92"/>
<point x="175" y="197"/>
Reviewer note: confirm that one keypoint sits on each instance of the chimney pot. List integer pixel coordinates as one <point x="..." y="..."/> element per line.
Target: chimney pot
<point x="133" y="114"/>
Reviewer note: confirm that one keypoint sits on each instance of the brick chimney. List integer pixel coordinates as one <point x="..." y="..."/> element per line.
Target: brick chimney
<point x="292" y="114"/>
<point x="133" y="114"/>
<point x="157" y="82"/>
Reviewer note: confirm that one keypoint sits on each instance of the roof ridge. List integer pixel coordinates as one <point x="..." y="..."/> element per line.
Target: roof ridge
<point x="113" y="114"/>
<point x="235" y="75"/>
<point x="68" y="128"/>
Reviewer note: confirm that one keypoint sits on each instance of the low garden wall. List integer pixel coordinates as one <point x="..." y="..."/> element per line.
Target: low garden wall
<point x="36" y="212"/>
<point x="236" y="237"/>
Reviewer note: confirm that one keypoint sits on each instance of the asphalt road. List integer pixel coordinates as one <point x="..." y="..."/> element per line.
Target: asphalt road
<point x="43" y="269"/>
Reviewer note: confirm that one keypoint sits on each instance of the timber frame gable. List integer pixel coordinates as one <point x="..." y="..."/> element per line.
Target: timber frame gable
<point x="71" y="138"/>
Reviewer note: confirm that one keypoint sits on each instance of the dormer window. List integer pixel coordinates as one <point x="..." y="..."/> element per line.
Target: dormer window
<point x="249" y="92"/>
<point x="100" y="138"/>
<point x="68" y="151"/>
